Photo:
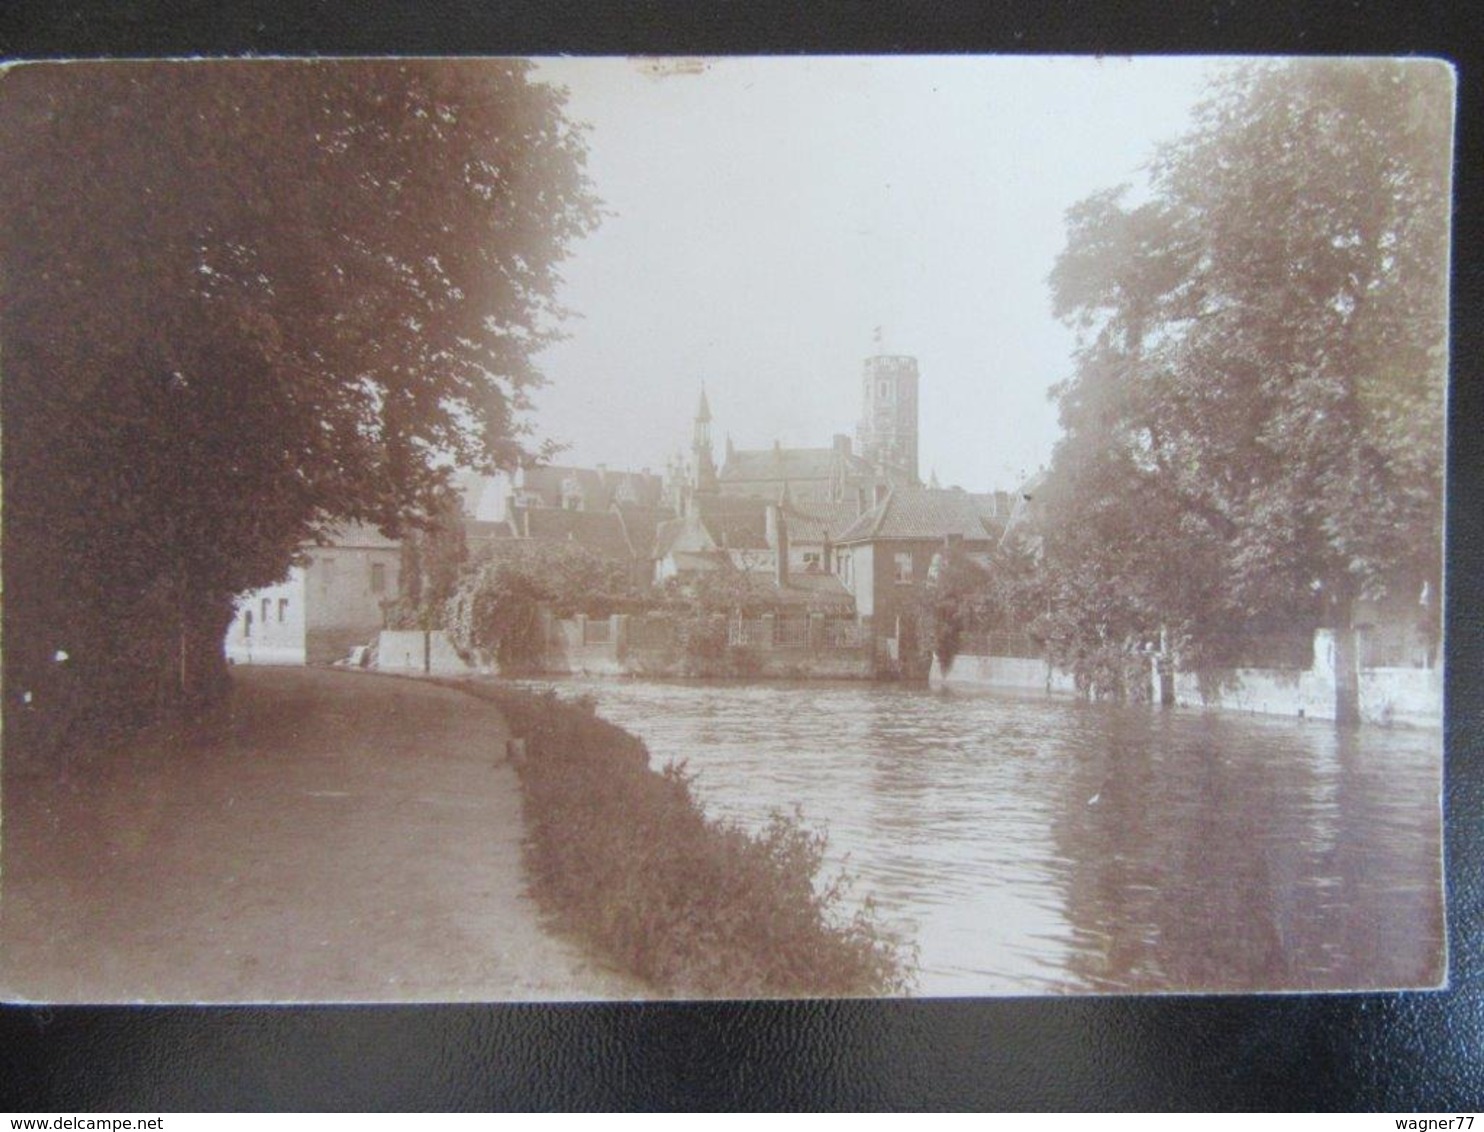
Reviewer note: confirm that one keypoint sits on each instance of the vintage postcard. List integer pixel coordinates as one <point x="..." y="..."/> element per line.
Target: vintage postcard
<point x="670" y="528"/>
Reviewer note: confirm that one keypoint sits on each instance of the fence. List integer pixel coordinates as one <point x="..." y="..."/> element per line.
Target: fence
<point x="742" y="632"/>
<point x="791" y="633"/>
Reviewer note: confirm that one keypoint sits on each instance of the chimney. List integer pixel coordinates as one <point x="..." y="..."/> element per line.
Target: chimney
<point x="778" y="542"/>
<point x="842" y="444"/>
<point x="860" y="501"/>
<point x="881" y="491"/>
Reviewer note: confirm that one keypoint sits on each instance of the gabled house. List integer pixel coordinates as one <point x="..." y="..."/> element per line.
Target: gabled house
<point x="756" y="540"/>
<point x="737" y="530"/>
<point x="622" y="533"/>
<point x="716" y="532"/>
<point x="326" y="606"/>
<point x="885" y="557"/>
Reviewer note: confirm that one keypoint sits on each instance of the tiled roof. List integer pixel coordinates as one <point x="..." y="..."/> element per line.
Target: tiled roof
<point x="599" y="531"/>
<point x="815" y="590"/>
<point x="669" y="538"/>
<point x="790" y="464"/>
<point x="921" y="513"/>
<point x="816" y="522"/>
<point x="737" y="531"/>
<point x="713" y="529"/>
<point x="733" y="522"/>
<point x="740" y="522"/>
<point x="599" y="487"/>
<point x="641" y="524"/>
<point x="359" y="534"/>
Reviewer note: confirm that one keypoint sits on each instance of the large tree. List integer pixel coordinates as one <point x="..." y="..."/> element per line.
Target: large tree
<point x="1253" y="433"/>
<point x="242" y="302"/>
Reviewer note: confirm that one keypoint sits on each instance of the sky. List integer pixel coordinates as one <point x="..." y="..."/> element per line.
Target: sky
<point x="768" y="217"/>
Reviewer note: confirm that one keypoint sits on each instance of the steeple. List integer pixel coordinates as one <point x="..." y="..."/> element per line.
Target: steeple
<point x="705" y="465"/>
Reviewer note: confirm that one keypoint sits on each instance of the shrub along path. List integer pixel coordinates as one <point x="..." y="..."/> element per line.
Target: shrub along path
<point x="338" y="837"/>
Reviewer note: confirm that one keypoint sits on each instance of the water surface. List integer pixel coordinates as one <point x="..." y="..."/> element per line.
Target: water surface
<point x="1029" y="844"/>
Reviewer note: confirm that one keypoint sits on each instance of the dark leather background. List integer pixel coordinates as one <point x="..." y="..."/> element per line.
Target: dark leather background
<point x="1413" y="1051"/>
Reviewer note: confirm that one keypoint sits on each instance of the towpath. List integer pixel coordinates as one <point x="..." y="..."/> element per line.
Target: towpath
<point x="341" y="837"/>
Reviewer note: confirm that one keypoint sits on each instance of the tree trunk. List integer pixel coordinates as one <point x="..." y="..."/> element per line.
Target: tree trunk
<point x="207" y="677"/>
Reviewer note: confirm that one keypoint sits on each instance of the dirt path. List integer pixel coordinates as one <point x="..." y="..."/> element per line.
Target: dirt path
<point x="346" y="838"/>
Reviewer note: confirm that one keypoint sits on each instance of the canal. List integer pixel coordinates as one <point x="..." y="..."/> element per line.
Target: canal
<point x="1027" y="844"/>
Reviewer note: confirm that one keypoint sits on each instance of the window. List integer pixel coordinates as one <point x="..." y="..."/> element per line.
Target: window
<point x="903" y="561"/>
<point x="247" y="624"/>
<point x="283" y="608"/>
<point x="378" y="578"/>
<point x="811" y="562"/>
<point x="267" y="605"/>
<point x="884" y="391"/>
<point x="327" y="574"/>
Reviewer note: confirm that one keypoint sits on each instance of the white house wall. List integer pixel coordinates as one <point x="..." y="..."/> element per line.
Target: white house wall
<point x="278" y="637"/>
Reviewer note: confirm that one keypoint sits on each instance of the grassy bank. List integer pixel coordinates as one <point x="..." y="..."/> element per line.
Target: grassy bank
<point x="623" y="856"/>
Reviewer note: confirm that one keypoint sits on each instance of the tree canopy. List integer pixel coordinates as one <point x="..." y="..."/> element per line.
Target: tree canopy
<point x="241" y="302"/>
<point x="1254" y="427"/>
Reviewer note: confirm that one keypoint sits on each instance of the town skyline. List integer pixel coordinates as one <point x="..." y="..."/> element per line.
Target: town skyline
<point x="772" y="223"/>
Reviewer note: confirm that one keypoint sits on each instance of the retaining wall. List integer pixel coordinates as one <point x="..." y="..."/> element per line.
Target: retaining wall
<point x="1410" y="696"/>
<point x="413" y="650"/>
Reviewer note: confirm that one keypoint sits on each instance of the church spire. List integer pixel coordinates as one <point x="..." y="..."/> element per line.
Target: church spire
<point x="705" y="464"/>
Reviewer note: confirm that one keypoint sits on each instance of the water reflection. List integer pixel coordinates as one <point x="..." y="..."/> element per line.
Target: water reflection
<point x="1029" y="844"/>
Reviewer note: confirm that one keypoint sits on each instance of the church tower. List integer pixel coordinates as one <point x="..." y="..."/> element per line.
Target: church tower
<point x="887" y="434"/>
<point x="701" y="458"/>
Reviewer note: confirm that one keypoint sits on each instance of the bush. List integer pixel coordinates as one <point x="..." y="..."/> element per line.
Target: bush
<point x="498" y="608"/>
<point x="626" y="860"/>
<point x="702" y="638"/>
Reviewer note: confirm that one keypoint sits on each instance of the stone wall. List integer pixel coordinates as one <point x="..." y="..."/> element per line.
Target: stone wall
<point x="413" y="650"/>
<point x="585" y="646"/>
<point x="1410" y="696"/>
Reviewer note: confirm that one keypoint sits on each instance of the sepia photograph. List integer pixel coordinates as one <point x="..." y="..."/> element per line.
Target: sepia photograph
<point x="674" y="528"/>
